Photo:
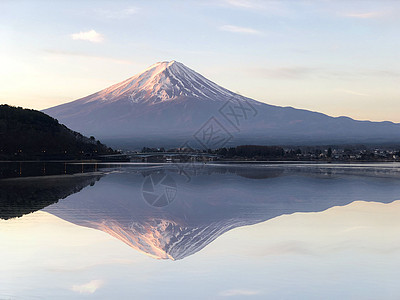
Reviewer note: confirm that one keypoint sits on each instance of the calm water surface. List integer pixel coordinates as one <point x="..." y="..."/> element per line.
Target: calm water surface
<point x="196" y="231"/>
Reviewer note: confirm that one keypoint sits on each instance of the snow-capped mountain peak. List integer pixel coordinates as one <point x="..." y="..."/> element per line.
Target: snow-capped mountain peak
<point x="163" y="81"/>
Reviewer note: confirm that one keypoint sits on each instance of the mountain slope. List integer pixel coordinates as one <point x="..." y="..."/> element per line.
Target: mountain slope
<point x="168" y="104"/>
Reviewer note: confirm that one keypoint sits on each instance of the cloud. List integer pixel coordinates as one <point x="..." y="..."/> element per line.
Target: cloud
<point x="91" y="36"/>
<point x="239" y="292"/>
<point x="241" y="3"/>
<point x="117" y="14"/>
<point x="354" y="93"/>
<point x="300" y="72"/>
<point x="270" y="7"/>
<point x="296" y="72"/>
<point x="237" y="29"/>
<point x="88" y="288"/>
<point x="385" y="73"/>
<point x="85" y="55"/>
<point x="368" y="15"/>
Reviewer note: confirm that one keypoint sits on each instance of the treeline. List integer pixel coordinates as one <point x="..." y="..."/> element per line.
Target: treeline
<point x="149" y="150"/>
<point x="244" y="151"/>
<point x="299" y="153"/>
<point x="31" y="134"/>
<point x="252" y="151"/>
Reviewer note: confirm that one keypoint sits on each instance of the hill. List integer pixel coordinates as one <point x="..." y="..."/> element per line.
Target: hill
<point x="30" y="134"/>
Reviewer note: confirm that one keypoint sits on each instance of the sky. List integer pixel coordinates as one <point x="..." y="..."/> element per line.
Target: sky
<point x="336" y="57"/>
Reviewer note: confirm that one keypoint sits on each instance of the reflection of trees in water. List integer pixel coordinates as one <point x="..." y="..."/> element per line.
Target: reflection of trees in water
<point x="21" y="196"/>
<point x="257" y="171"/>
<point x="30" y="169"/>
<point x="192" y="170"/>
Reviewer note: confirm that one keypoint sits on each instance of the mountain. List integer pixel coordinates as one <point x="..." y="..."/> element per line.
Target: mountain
<point x="169" y="104"/>
<point x="31" y="134"/>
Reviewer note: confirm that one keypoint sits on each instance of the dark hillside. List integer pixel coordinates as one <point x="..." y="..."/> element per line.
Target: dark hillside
<point x="31" y="134"/>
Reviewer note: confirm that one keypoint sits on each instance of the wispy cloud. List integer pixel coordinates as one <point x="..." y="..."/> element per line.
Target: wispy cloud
<point x="296" y="72"/>
<point x="237" y="29"/>
<point x="85" y="55"/>
<point x="241" y="3"/>
<point x="91" y="36"/>
<point x="354" y="93"/>
<point x="88" y="288"/>
<point x="118" y="14"/>
<point x="301" y="72"/>
<point x="368" y="15"/>
<point x="239" y="292"/>
<point x="270" y="7"/>
<point x="385" y="73"/>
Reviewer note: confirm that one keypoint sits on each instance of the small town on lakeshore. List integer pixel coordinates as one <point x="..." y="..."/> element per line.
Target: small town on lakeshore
<point x="340" y="153"/>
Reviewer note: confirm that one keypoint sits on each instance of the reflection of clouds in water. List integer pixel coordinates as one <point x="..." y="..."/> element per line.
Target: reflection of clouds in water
<point x="354" y="228"/>
<point x="88" y="288"/>
<point x="285" y="248"/>
<point x="239" y="292"/>
<point x="358" y="227"/>
<point x="86" y="266"/>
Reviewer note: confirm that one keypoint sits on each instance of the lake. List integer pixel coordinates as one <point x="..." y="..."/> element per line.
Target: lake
<point x="199" y="231"/>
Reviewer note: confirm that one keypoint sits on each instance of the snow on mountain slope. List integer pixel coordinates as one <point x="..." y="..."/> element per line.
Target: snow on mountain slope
<point x="162" y="81"/>
<point x="168" y="103"/>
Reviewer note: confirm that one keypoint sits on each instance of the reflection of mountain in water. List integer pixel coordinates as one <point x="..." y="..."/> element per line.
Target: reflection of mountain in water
<point x="20" y="196"/>
<point x="216" y="200"/>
